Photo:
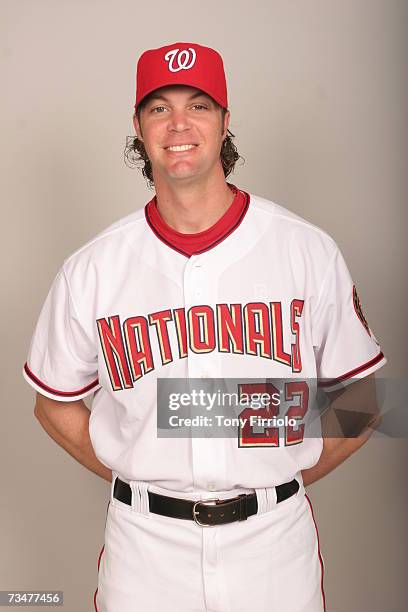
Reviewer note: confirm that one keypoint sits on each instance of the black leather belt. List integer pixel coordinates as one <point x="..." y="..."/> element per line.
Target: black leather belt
<point x="205" y="512"/>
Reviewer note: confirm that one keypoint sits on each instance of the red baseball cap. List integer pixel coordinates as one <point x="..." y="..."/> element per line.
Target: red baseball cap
<point x="182" y="64"/>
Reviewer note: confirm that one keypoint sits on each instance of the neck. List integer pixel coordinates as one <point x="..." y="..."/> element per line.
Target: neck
<point x="194" y="206"/>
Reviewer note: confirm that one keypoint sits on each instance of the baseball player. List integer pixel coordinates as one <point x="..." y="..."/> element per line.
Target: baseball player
<point x="206" y="281"/>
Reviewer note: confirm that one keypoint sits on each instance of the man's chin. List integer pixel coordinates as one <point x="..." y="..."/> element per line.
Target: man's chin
<point x="183" y="174"/>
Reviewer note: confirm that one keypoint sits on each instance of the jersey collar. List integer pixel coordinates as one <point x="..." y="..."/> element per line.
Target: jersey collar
<point x="194" y="244"/>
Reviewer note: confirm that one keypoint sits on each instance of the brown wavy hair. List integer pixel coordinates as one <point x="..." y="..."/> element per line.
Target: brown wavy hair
<point x="135" y="152"/>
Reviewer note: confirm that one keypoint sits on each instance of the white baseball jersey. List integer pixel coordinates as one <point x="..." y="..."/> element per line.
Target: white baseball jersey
<point x="270" y="296"/>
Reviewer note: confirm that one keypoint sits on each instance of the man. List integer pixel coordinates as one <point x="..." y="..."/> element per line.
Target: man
<point x="206" y="282"/>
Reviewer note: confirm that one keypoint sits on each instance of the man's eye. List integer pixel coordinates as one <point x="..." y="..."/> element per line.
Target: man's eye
<point x="200" y="106"/>
<point x="156" y="108"/>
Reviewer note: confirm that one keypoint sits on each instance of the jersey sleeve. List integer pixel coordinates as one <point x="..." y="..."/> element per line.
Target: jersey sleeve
<point x="62" y="359"/>
<point x="345" y="346"/>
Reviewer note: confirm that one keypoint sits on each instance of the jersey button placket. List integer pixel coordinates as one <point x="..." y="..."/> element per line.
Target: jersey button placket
<point x="197" y="293"/>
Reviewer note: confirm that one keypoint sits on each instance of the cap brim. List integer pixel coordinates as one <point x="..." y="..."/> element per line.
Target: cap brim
<point x="172" y="83"/>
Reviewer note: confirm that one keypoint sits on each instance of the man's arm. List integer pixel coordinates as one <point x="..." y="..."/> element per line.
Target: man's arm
<point x="356" y="410"/>
<point x="67" y="423"/>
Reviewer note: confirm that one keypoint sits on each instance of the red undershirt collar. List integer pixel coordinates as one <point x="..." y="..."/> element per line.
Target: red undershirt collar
<point x="191" y="244"/>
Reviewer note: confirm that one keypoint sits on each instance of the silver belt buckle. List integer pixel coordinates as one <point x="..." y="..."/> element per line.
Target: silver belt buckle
<point x="210" y="502"/>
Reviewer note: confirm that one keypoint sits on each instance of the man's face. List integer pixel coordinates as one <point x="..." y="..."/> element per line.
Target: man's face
<point x="181" y="116"/>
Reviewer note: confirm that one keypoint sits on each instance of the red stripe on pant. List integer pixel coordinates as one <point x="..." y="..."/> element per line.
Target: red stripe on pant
<point x="99" y="563"/>
<point x="100" y="557"/>
<point x="320" y="555"/>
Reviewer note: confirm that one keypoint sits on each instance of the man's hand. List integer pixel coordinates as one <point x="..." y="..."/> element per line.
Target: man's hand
<point x="352" y="417"/>
<point x="67" y="423"/>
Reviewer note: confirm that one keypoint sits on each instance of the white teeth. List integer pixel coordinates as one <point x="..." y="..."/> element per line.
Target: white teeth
<point x="181" y="147"/>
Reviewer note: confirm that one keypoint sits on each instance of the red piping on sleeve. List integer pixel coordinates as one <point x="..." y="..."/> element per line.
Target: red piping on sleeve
<point x="56" y="391"/>
<point x="335" y="381"/>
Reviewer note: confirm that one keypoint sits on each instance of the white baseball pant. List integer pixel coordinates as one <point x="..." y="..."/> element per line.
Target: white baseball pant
<point x="270" y="562"/>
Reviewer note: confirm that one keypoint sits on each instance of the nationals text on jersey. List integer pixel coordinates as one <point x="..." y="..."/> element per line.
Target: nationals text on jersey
<point x="255" y="328"/>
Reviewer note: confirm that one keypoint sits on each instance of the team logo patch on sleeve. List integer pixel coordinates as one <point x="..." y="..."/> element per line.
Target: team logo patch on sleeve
<point x="359" y="310"/>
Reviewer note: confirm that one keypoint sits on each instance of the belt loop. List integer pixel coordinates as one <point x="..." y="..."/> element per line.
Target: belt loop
<point x="140" y="498"/>
<point x="135" y="496"/>
<point x="144" y="498"/>
<point x="262" y="500"/>
<point x="269" y="498"/>
<point x="272" y="497"/>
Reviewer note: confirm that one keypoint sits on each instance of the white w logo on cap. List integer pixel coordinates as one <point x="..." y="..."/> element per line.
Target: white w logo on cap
<point x="185" y="59"/>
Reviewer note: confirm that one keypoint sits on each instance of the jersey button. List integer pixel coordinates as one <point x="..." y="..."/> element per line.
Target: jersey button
<point x="211" y="486"/>
<point x="198" y="293"/>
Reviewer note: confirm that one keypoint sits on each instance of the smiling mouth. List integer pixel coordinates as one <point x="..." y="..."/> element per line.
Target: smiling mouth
<point x="180" y="148"/>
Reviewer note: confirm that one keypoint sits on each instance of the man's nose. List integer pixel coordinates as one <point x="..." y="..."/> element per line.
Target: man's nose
<point x="178" y="121"/>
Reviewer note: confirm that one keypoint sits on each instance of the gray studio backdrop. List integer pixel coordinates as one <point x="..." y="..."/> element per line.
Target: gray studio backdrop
<point x="318" y="96"/>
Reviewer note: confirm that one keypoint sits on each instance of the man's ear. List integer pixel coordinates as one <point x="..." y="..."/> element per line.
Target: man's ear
<point x="137" y="127"/>
<point x="226" y="124"/>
